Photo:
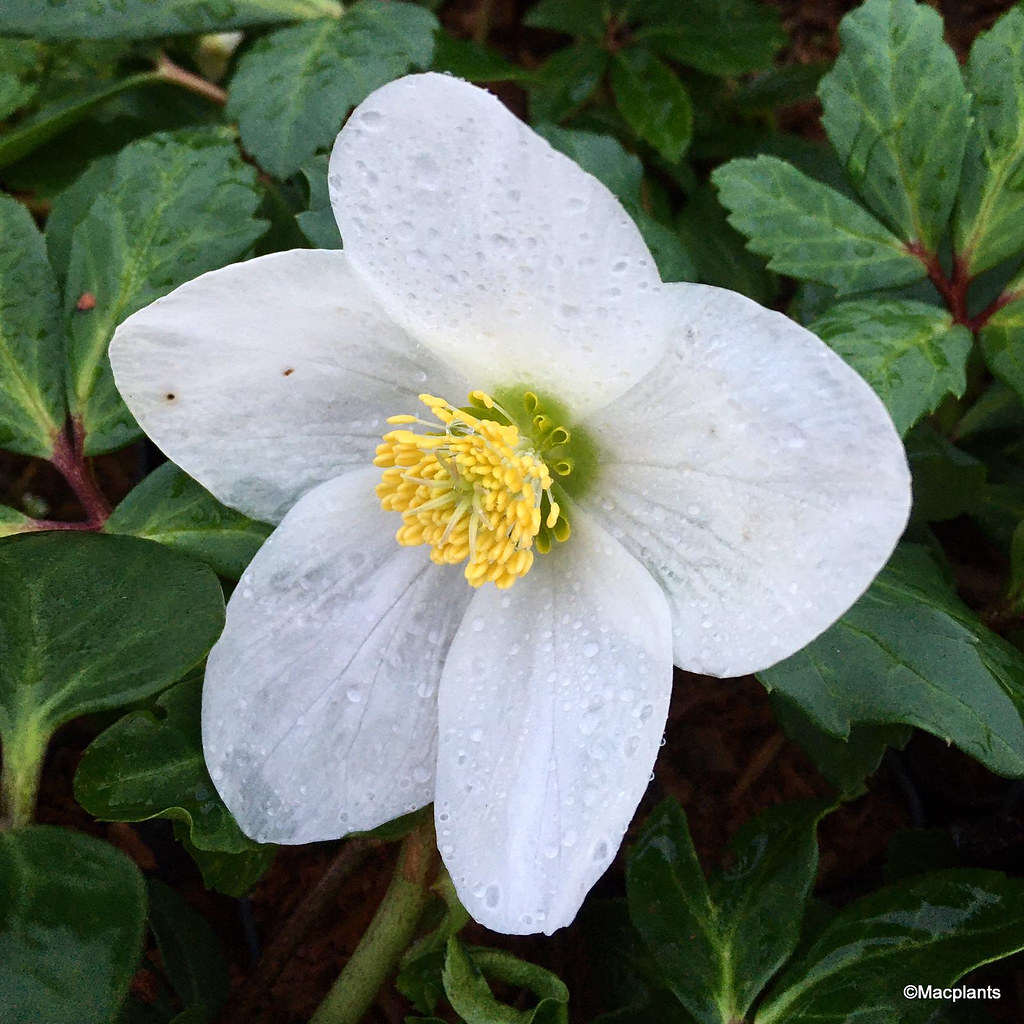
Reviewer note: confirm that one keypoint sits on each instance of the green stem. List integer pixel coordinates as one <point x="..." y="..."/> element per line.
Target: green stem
<point x="168" y="71"/>
<point x="389" y="935"/>
<point x="23" y="752"/>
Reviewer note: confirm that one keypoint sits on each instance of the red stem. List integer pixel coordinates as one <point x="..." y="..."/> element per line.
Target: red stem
<point x="39" y="525"/>
<point x="954" y="287"/>
<point x="1004" y="299"/>
<point x="69" y="458"/>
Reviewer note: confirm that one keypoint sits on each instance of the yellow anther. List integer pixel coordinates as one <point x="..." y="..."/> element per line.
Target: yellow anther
<point x="472" y="491"/>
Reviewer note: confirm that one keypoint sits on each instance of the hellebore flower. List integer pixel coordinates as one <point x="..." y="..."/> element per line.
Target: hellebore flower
<point x="648" y="473"/>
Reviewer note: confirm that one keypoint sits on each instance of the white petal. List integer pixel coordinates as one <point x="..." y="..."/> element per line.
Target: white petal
<point x="500" y="253"/>
<point x="266" y="378"/>
<point x="757" y="477"/>
<point x="552" y="706"/>
<point x="319" y="709"/>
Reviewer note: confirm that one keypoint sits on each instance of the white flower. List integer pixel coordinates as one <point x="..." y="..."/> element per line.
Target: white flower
<point x="730" y="484"/>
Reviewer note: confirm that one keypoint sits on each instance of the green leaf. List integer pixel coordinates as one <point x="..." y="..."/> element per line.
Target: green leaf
<point x="620" y="171"/>
<point x="929" y="929"/>
<point x="844" y="763"/>
<point x="233" y="874"/>
<point x="52" y="120"/>
<point x="12" y="521"/>
<point x="670" y="906"/>
<point x="652" y="101"/>
<point x="564" y="84"/>
<point x="189" y="951"/>
<point x="989" y="221"/>
<point x="149" y="764"/>
<point x="19" y="59"/>
<point x="89" y="623"/>
<point x="72" y="916"/>
<point x="70" y="208"/>
<point x="318" y="223"/>
<point x="32" y="409"/>
<point x="170" y="508"/>
<point x="670" y="252"/>
<point x="717" y="946"/>
<point x="908" y="651"/>
<point x="896" y="110"/>
<point x="719" y="37"/>
<point x="420" y="978"/>
<point x="293" y="87"/>
<point x="177" y="205"/>
<point x="760" y="895"/>
<point x="909" y="352"/>
<point x="779" y="87"/>
<point x="1002" y="342"/>
<point x="586" y="18"/>
<point x="475" y="63"/>
<point x="465" y="985"/>
<point x="811" y="231"/>
<point x="144" y="19"/>
<point x="947" y="480"/>
<point x="719" y="252"/>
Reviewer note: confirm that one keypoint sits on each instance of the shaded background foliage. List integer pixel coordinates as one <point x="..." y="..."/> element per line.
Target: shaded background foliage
<point x="137" y="152"/>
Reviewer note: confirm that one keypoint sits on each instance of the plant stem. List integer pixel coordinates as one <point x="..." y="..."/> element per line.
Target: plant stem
<point x="953" y="287"/>
<point x="1004" y="299"/>
<point x="69" y="458"/>
<point x="177" y="75"/>
<point x="23" y="753"/>
<point x="389" y="935"/>
<point x="310" y="910"/>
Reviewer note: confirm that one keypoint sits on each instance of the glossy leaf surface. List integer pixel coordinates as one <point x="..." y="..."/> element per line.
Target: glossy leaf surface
<point x="909" y="651"/>
<point x="989" y="224"/>
<point x="718" y="944"/>
<point x="896" y="110"/>
<point x="811" y="231"/>
<point x="143" y="19"/>
<point x="72" y="914"/>
<point x="175" y="206"/>
<point x="909" y="352"/>
<point x="169" y="507"/>
<point x="32" y="406"/>
<point x="294" y="87"/>
<point x="928" y="929"/>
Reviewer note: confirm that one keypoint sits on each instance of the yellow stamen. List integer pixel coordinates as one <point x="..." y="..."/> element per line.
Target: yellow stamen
<point x="473" y="492"/>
